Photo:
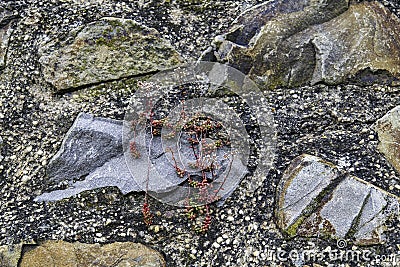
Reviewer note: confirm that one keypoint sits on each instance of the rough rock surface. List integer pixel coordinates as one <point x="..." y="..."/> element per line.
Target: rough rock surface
<point x="315" y="200"/>
<point x="331" y="122"/>
<point x="89" y="144"/>
<point x="6" y="27"/>
<point x="64" y="254"/>
<point x="285" y="44"/>
<point x="92" y="149"/>
<point x="10" y="255"/>
<point x="104" y="50"/>
<point x="388" y="129"/>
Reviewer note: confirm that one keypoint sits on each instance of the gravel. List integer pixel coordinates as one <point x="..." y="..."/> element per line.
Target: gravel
<point x="334" y="123"/>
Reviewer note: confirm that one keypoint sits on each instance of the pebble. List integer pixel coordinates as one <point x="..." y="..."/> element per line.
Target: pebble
<point x="25" y="178"/>
<point x="216" y="245"/>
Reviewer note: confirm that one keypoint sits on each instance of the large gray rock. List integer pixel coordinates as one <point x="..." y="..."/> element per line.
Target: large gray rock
<point x="105" y="50"/>
<point x="89" y="144"/>
<point x="64" y="254"/>
<point x="312" y="176"/>
<point x="91" y="149"/>
<point x="388" y="129"/>
<point x="93" y="154"/>
<point x="314" y="200"/>
<point x="292" y="43"/>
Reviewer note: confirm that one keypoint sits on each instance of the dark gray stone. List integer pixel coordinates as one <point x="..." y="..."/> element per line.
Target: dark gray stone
<point x="7" y="24"/>
<point x="89" y="144"/>
<point x="293" y="43"/>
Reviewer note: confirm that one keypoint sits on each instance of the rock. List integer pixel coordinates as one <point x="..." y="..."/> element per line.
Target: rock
<point x="92" y="153"/>
<point x="292" y="43"/>
<point x="388" y="129"/>
<point x="303" y="190"/>
<point x="92" y="149"/>
<point x="7" y="24"/>
<point x="10" y="255"/>
<point x="64" y="254"/>
<point x="1" y="144"/>
<point x="314" y="199"/>
<point x="105" y="50"/>
<point x="89" y="144"/>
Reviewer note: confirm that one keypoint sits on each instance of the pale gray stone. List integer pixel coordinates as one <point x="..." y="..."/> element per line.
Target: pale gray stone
<point x="388" y="129"/>
<point x="112" y="173"/>
<point x="345" y="205"/>
<point x="317" y="203"/>
<point x="301" y="185"/>
<point x="293" y="43"/>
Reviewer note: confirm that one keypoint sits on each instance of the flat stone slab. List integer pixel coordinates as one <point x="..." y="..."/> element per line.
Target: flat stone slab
<point x="388" y="129"/>
<point x="105" y="50"/>
<point x="64" y="254"/>
<point x="314" y="200"/>
<point x="92" y="155"/>
<point x="290" y="43"/>
<point x="89" y="144"/>
<point x="91" y="149"/>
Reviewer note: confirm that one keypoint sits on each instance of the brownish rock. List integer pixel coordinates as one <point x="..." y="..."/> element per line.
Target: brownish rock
<point x="289" y="43"/>
<point x="64" y="254"/>
<point x="105" y="50"/>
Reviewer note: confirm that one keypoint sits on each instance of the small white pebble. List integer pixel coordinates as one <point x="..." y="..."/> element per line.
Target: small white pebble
<point x="25" y="178"/>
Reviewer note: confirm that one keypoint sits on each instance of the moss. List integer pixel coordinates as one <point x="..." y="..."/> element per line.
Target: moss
<point x="292" y="230"/>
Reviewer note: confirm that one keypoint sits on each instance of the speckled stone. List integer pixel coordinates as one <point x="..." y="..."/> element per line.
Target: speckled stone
<point x="64" y="254"/>
<point x="10" y="255"/>
<point x="105" y="50"/>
